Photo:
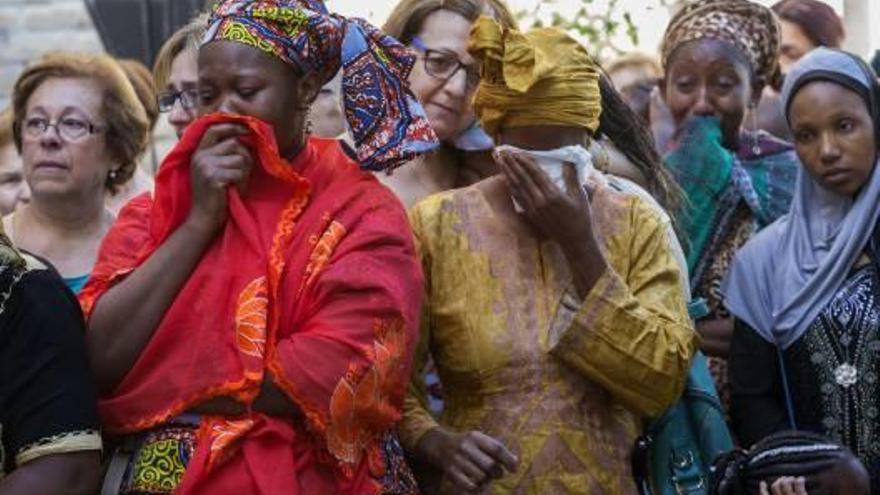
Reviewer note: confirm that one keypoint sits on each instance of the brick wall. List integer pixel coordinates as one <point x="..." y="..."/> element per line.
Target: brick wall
<point x="29" y="28"/>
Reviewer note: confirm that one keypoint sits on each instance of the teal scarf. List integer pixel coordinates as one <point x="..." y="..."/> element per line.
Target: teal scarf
<point x="715" y="180"/>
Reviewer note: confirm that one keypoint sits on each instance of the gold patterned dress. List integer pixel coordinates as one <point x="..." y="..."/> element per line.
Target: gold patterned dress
<point x="562" y="382"/>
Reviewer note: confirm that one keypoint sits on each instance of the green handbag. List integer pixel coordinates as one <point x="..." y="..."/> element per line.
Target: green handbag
<point x="674" y="455"/>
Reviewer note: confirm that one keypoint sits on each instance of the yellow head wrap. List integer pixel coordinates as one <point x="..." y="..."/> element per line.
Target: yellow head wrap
<point x="543" y="77"/>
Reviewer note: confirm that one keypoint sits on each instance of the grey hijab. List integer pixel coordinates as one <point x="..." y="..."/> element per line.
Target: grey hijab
<point x="787" y="274"/>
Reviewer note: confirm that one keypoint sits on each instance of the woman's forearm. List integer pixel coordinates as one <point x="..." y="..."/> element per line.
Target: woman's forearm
<point x="124" y="319"/>
<point x="587" y="265"/>
<point x="77" y="473"/>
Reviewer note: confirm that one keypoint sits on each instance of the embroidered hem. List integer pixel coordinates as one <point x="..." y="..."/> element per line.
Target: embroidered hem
<point x="74" y="441"/>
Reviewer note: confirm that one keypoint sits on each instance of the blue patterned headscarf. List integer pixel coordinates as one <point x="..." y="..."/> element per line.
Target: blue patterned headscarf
<point x="387" y="123"/>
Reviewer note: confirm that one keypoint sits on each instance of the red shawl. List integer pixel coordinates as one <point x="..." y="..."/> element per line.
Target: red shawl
<point x="313" y="280"/>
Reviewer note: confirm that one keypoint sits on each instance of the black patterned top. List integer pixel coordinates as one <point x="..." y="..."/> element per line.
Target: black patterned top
<point x="47" y="394"/>
<point x="833" y="372"/>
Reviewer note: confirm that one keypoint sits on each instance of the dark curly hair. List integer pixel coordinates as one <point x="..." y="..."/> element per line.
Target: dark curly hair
<point x="789" y="453"/>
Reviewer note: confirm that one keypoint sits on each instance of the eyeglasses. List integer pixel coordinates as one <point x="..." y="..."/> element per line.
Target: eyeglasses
<point x="444" y="65"/>
<point x="189" y="99"/>
<point x="69" y="128"/>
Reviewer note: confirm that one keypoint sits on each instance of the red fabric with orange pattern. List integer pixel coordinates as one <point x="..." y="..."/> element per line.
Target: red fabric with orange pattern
<point x="314" y="283"/>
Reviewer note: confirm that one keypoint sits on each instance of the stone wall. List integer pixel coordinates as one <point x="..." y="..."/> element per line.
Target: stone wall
<point x="29" y="28"/>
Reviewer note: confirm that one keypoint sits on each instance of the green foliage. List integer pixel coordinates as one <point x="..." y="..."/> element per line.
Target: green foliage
<point x="597" y="23"/>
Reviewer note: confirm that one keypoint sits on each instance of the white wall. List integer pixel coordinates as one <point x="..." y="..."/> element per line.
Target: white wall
<point x="863" y="26"/>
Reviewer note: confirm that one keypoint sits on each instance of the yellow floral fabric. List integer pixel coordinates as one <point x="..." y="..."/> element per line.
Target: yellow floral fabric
<point x="563" y="382"/>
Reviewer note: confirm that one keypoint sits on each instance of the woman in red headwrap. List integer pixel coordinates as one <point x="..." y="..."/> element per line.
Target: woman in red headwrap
<point x="252" y="333"/>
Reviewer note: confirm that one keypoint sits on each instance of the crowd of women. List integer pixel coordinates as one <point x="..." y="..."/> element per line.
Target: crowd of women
<point x="445" y="256"/>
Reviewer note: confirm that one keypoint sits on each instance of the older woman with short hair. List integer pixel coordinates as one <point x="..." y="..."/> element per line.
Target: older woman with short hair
<point x="80" y="129"/>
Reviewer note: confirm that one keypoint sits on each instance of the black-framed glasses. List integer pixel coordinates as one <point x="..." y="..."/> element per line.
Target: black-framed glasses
<point x="69" y="128"/>
<point x="189" y="99"/>
<point x="443" y="64"/>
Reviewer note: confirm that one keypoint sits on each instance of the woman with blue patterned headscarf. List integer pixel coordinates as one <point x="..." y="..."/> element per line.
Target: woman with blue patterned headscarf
<point x="253" y="332"/>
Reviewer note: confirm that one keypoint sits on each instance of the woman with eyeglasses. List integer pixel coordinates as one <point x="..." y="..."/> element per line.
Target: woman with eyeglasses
<point x="176" y="74"/>
<point x="444" y="79"/>
<point x="80" y="129"/>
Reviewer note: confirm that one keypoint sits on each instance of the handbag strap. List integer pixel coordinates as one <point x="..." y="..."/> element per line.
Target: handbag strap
<point x="786" y="391"/>
<point x="114" y="476"/>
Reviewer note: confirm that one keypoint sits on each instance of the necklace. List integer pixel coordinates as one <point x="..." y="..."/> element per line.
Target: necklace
<point x="846" y="345"/>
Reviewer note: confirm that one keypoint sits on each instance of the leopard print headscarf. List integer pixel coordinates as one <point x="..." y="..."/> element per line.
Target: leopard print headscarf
<point x="751" y="28"/>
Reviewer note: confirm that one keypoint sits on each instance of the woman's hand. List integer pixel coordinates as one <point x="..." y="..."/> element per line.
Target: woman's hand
<point x="715" y="336"/>
<point x="787" y="485"/>
<point x="220" y="161"/>
<point x="561" y="216"/>
<point x="468" y="460"/>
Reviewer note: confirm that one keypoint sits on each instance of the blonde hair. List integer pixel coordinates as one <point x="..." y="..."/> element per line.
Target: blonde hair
<point x="187" y="37"/>
<point x="407" y="18"/>
<point x="127" y="124"/>
<point x="142" y="81"/>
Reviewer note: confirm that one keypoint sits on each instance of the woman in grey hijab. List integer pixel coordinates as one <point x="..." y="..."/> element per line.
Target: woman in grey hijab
<point x="806" y="290"/>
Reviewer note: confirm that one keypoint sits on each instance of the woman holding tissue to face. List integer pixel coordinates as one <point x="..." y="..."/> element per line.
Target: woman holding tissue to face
<point x="554" y="329"/>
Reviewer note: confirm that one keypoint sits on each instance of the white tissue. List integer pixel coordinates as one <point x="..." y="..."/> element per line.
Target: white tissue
<point x="553" y="161"/>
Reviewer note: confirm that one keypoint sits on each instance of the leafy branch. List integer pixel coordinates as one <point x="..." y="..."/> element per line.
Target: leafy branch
<point x="596" y="23"/>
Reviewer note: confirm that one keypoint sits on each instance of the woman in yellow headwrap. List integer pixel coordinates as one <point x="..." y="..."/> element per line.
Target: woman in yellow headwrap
<point x="556" y="318"/>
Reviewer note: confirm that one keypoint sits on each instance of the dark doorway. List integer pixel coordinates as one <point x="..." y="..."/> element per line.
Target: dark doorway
<point x="137" y="28"/>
